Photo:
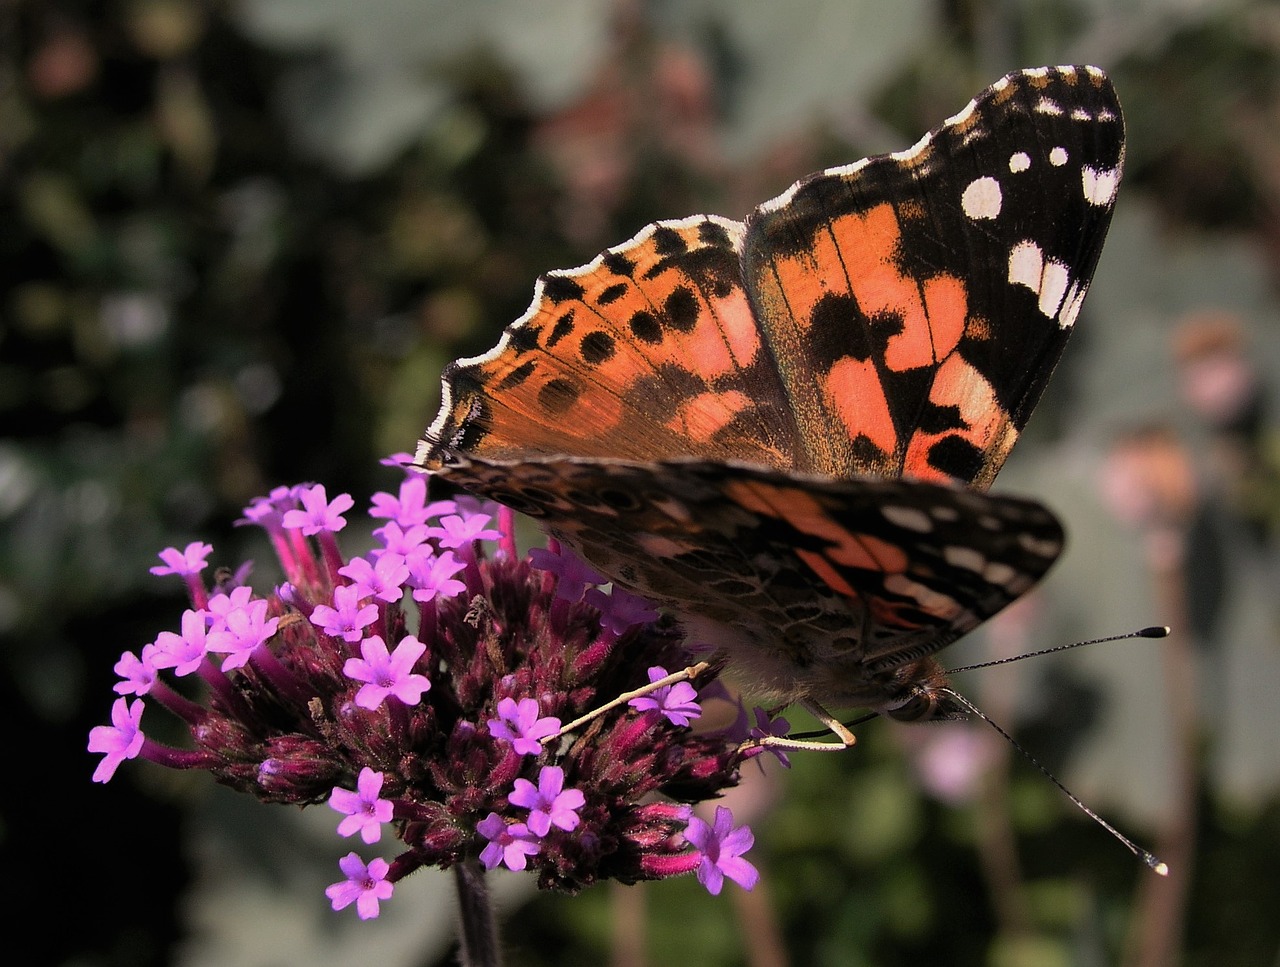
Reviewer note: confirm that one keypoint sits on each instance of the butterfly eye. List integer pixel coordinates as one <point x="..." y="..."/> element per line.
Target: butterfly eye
<point x="932" y="702"/>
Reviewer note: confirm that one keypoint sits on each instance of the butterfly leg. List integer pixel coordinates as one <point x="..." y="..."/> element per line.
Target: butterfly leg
<point x="847" y="738"/>
<point x="683" y="675"/>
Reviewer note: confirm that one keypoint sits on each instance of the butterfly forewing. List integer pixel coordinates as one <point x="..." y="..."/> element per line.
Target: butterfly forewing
<point x="920" y="301"/>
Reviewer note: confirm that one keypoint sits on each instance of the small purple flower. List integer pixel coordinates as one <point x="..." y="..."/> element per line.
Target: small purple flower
<point x="407" y="509"/>
<point x="365" y="885"/>
<point x="458" y="531"/>
<point x="318" y="513"/>
<point x="184" y="562"/>
<point x="222" y="604"/>
<point x="432" y="575"/>
<point x="244" y="629"/>
<point x="365" y="811"/>
<point x="771" y="727"/>
<point x="402" y="541"/>
<point x="183" y="653"/>
<point x="268" y="511"/>
<point x="387" y="674"/>
<point x="519" y="724"/>
<point x="676" y="702"/>
<point x="549" y="803"/>
<point x="137" y="674"/>
<point x="722" y="847"/>
<point x="620" y="609"/>
<point x="384" y="579"/>
<point x="509" y="844"/>
<point x="120" y="740"/>
<point x="348" y="619"/>
<point x="572" y="572"/>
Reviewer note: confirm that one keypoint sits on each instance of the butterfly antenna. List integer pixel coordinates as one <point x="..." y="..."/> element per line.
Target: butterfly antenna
<point x="1155" y="631"/>
<point x="1150" y="859"/>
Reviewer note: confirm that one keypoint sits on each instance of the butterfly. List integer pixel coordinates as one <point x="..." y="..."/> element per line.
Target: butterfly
<point x="782" y="430"/>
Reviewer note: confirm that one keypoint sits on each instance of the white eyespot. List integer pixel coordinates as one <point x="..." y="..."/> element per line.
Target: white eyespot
<point x="1080" y="114"/>
<point x="1100" y="186"/>
<point x="1058" y="157"/>
<point x="982" y="199"/>
<point x="908" y="517"/>
<point x="1047" y="106"/>
<point x="1019" y="161"/>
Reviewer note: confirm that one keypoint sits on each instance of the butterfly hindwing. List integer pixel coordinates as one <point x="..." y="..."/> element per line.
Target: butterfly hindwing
<point x="859" y="574"/>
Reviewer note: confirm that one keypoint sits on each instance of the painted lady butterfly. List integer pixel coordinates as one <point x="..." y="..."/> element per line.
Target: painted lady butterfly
<point x="781" y="429"/>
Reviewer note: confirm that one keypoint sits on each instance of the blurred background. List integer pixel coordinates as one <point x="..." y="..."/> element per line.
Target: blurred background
<point x="241" y="238"/>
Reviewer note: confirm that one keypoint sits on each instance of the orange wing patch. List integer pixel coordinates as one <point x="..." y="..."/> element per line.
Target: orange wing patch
<point x="612" y="346"/>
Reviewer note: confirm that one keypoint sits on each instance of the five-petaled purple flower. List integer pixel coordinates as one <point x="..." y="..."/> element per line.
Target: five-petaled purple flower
<point x="721" y="848"/>
<point x="348" y="618"/>
<point x="574" y="574"/>
<point x="365" y="810"/>
<point x="387" y="673"/>
<point x="676" y="702"/>
<point x="120" y="740"/>
<point x="318" y="513"/>
<point x="510" y="844"/>
<point x="365" y="885"/>
<point x="183" y="653"/>
<point x="620" y="610"/>
<point x="549" y="803"/>
<point x="519" y="724"/>
<point x="190" y="560"/>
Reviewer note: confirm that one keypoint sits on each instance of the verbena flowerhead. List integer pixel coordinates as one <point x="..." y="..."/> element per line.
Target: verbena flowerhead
<point x="420" y="690"/>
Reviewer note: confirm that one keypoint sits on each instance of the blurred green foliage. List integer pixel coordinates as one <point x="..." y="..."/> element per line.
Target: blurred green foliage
<point x="195" y="307"/>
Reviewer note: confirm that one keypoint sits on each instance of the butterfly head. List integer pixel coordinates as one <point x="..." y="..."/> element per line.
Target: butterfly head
<point x="926" y="695"/>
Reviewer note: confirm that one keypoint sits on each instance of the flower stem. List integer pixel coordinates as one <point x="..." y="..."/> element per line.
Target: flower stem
<point x="478" y="929"/>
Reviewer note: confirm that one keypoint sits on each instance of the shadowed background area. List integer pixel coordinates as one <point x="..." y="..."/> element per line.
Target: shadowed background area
<point x="240" y="241"/>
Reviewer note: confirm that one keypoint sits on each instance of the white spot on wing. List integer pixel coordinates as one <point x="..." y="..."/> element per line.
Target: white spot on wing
<point x="964" y="557"/>
<point x="1040" y="548"/>
<point x="1056" y="295"/>
<point x="935" y="602"/>
<point x="1058" y="157"/>
<point x="908" y="517"/>
<point x="982" y="199"/>
<point x="1019" y="161"/>
<point x="1100" y="186"/>
<point x="1047" y="106"/>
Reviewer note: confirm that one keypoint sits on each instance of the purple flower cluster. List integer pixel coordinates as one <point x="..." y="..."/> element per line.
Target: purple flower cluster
<point x="422" y="687"/>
